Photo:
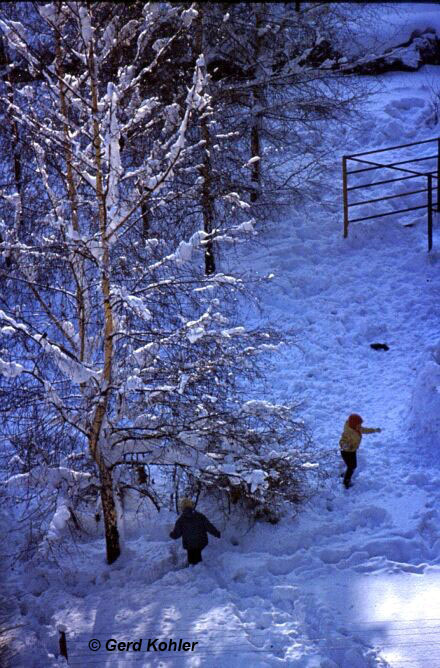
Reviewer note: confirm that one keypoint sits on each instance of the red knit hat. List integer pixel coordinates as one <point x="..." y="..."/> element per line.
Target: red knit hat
<point x="355" y="421"/>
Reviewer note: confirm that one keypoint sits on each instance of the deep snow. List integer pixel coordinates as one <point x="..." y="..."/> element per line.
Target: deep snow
<point x="354" y="579"/>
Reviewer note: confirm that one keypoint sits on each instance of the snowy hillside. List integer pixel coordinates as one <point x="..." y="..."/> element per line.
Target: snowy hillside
<point x="353" y="580"/>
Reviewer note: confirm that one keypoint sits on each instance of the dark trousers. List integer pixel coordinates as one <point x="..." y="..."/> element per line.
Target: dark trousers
<point x="194" y="556"/>
<point x="351" y="463"/>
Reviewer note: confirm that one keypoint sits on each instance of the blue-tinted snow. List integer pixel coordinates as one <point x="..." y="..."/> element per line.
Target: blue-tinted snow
<point x="354" y="580"/>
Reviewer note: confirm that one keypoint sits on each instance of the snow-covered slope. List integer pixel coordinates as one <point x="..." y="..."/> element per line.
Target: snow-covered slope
<point x="354" y="579"/>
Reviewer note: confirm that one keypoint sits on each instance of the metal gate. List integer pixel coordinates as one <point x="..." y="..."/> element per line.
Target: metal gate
<point x="429" y="179"/>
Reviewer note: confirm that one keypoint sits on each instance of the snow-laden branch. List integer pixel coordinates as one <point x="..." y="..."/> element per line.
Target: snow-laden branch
<point x="74" y="370"/>
<point x="48" y="478"/>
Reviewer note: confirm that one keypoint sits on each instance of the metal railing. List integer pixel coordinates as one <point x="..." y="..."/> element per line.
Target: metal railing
<point x="393" y="166"/>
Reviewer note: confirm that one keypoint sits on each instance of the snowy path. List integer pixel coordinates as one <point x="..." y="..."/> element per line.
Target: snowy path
<point x="354" y="580"/>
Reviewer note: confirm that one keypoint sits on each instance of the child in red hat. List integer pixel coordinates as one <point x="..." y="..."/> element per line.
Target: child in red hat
<point x="350" y="441"/>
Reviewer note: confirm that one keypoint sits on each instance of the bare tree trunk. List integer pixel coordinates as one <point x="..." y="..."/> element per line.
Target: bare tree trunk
<point x="16" y="157"/>
<point x="207" y="200"/>
<point x="207" y="195"/>
<point x="255" y="152"/>
<point x="145" y="216"/>
<point x="256" y="106"/>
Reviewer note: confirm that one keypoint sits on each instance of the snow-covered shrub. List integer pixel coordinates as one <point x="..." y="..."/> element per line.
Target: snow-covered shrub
<point x="425" y="405"/>
<point x="267" y="465"/>
<point x="265" y="486"/>
<point x="47" y="502"/>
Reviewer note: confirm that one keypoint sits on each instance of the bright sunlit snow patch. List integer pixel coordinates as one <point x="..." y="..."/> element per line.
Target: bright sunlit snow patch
<point x="407" y="609"/>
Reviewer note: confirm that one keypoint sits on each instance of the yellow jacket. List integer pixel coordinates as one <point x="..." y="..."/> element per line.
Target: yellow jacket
<point x="351" y="439"/>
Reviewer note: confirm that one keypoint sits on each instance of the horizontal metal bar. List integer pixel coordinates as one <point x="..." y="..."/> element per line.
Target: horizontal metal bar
<point x="389" y="213"/>
<point x="381" y="199"/>
<point x="425" y="157"/>
<point x="392" y="148"/>
<point x="378" y="165"/>
<point x="400" y="169"/>
<point x="379" y="183"/>
<point x="367" y="162"/>
<point x="391" y="164"/>
<point x="365" y="169"/>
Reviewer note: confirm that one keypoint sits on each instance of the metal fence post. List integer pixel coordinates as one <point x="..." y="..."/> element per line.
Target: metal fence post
<point x="438" y="174"/>
<point x="345" y="194"/>
<point x="429" y="211"/>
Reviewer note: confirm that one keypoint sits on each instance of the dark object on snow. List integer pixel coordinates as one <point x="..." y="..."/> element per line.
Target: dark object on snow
<point x="194" y="557"/>
<point x="379" y="346"/>
<point x="193" y="527"/>
<point x="63" y="644"/>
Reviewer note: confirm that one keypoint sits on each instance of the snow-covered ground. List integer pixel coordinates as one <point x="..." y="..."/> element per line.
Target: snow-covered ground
<point x="354" y="579"/>
<point x="394" y="22"/>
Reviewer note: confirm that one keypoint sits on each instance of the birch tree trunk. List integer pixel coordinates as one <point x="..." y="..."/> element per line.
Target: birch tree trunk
<point x="207" y="195"/>
<point x="76" y="262"/>
<point x="105" y="475"/>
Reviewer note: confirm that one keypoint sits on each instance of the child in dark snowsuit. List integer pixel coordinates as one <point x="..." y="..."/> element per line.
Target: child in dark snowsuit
<point x="349" y="443"/>
<point x="193" y="528"/>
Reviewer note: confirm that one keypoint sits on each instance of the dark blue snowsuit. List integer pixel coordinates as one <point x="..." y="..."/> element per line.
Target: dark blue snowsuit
<point x="193" y="527"/>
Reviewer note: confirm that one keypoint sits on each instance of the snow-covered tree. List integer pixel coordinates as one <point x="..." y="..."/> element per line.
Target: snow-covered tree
<point x="278" y="76"/>
<point x="121" y="339"/>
